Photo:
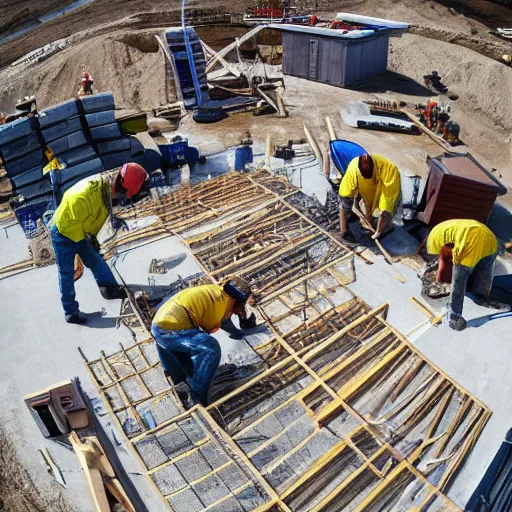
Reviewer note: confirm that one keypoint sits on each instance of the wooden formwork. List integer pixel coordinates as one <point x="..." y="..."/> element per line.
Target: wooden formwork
<point x="340" y="411"/>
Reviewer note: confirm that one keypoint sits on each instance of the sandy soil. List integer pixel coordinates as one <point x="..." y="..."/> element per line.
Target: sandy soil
<point x="17" y="491"/>
<point x="129" y="64"/>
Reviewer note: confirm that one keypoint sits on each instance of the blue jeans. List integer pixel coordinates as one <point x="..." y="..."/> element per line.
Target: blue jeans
<point x="65" y="250"/>
<point x="191" y="356"/>
<point x="477" y="279"/>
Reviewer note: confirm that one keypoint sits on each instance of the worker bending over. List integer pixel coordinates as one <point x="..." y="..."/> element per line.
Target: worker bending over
<point x="84" y="209"/>
<point x="377" y="180"/>
<point x="471" y="248"/>
<point x="183" y="328"/>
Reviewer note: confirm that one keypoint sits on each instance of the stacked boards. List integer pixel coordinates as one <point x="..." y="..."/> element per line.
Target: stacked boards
<point x="84" y="136"/>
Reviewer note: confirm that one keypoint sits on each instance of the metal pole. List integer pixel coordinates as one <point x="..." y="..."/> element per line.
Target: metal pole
<point x="190" y="56"/>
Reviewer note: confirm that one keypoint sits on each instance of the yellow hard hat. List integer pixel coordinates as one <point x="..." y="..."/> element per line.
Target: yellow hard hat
<point x="507" y="59"/>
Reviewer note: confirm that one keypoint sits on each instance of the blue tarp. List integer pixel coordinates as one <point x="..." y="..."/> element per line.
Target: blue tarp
<point x="343" y="152"/>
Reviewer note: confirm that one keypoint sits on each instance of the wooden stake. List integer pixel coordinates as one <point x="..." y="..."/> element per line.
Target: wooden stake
<point x="330" y="129"/>
<point x="314" y="146"/>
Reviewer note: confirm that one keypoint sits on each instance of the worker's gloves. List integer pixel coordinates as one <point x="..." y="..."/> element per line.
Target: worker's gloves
<point x="376" y="235"/>
<point x="118" y="224"/>
<point x="248" y="323"/>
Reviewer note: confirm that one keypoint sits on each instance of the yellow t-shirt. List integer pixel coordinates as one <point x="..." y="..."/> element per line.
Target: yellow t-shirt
<point x="380" y="191"/>
<point x="472" y="240"/>
<point x="207" y="306"/>
<point x="82" y="210"/>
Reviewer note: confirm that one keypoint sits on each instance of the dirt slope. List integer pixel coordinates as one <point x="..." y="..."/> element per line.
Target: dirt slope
<point x="130" y="65"/>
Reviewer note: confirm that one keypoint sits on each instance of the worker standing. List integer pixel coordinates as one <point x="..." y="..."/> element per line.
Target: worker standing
<point x="87" y="82"/>
<point x="183" y="328"/>
<point x="84" y="209"/>
<point x="471" y="248"/>
<point x="377" y="180"/>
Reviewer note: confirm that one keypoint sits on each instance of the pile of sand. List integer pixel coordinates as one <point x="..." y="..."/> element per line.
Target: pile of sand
<point x="131" y="66"/>
<point x="484" y="87"/>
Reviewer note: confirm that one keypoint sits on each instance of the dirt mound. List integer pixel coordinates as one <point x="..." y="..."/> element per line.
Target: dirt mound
<point x="127" y="65"/>
<point x="484" y="87"/>
<point x="143" y="42"/>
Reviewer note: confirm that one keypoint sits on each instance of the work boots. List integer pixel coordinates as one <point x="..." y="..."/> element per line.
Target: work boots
<point x="112" y="292"/>
<point x="77" y="318"/>
<point x="457" y="324"/>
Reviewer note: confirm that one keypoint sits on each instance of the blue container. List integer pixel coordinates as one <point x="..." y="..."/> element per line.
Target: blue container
<point x="343" y="152"/>
<point x="30" y="212"/>
<point x="243" y="155"/>
<point x="174" y="153"/>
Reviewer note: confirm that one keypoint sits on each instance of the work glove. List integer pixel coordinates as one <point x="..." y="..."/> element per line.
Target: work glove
<point x="248" y="323"/>
<point x="118" y="224"/>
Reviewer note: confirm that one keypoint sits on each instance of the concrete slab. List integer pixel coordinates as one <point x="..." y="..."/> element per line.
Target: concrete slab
<point x="133" y="267"/>
<point x="14" y="245"/>
<point x="478" y="359"/>
<point x="39" y="349"/>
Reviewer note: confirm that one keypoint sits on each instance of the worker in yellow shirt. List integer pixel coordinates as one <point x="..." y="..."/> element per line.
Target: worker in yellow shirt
<point x="377" y="180"/>
<point x="471" y="248"/>
<point x="183" y="328"/>
<point x="81" y="214"/>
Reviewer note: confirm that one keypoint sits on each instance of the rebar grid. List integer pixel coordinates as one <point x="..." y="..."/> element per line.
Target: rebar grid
<point x="340" y="412"/>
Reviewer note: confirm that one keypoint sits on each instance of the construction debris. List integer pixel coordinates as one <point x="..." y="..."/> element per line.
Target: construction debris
<point x="334" y="409"/>
<point x="53" y="469"/>
<point x="101" y="478"/>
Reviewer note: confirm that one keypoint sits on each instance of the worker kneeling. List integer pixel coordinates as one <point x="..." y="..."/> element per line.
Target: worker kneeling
<point x="377" y="180"/>
<point x="471" y="248"/>
<point x="81" y="214"/>
<point x="183" y="328"/>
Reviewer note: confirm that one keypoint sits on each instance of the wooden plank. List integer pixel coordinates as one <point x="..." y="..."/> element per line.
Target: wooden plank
<point x="314" y="146"/>
<point x="92" y="475"/>
<point x="230" y="47"/>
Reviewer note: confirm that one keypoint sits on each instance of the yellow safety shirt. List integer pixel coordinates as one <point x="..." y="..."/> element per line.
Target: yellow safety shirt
<point x="380" y="191"/>
<point x="82" y="210"/>
<point x="471" y="240"/>
<point x="207" y="306"/>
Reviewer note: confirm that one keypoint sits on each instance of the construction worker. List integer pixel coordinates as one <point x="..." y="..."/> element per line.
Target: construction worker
<point x="87" y="82"/>
<point x="183" y="328"/>
<point x="377" y="180"/>
<point x="84" y="209"/>
<point x="471" y="248"/>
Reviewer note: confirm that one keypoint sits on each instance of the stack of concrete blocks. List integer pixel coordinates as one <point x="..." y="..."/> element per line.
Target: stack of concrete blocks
<point x="83" y="134"/>
<point x="112" y="147"/>
<point x="64" y="132"/>
<point x="22" y="153"/>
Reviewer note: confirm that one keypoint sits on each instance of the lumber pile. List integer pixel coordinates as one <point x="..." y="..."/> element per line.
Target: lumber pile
<point x="105" y="488"/>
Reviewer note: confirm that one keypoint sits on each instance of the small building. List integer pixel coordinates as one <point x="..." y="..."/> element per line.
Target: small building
<point x="337" y="57"/>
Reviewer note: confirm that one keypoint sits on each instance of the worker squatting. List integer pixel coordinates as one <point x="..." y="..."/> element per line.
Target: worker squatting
<point x="466" y="246"/>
